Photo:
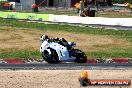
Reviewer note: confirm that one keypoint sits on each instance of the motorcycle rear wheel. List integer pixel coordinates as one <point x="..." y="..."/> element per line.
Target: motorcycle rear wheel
<point x="50" y="58"/>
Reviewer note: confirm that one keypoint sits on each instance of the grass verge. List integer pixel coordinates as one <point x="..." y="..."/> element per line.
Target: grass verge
<point x="26" y="53"/>
<point x="87" y="30"/>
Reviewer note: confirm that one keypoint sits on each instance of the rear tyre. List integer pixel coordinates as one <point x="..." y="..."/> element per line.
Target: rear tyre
<point x="50" y="58"/>
<point x="80" y="56"/>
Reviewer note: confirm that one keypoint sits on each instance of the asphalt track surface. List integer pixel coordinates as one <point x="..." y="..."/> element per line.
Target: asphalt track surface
<point x="67" y="66"/>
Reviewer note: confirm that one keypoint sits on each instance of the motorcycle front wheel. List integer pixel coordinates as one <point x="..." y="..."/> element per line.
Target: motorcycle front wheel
<point x="50" y="58"/>
<point x="80" y="56"/>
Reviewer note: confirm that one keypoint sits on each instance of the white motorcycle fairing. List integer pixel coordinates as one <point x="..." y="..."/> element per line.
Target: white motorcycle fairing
<point x="54" y="51"/>
<point x="62" y="51"/>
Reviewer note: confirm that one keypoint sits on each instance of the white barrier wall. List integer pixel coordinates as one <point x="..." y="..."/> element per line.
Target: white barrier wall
<point x="91" y="20"/>
<point x="69" y="19"/>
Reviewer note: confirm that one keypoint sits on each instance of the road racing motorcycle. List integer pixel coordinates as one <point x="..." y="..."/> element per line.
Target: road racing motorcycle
<point x="55" y="50"/>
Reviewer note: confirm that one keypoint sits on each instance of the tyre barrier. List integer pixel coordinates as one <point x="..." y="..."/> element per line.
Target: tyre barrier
<point x="89" y="61"/>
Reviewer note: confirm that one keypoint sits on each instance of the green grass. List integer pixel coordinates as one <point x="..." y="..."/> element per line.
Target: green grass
<point x="111" y="53"/>
<point x="114" y="52"/>
<point x="127" y="34"/>
<point x="26" y="54"/>
<point x="111" y="14"/>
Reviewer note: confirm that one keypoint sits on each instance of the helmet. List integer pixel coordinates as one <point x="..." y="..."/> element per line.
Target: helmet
<point x="44" y="37"/>
<point x="62" y="39"/>
<point x="72" y="44"/>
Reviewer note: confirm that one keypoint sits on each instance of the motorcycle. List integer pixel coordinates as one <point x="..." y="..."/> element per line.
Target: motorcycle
<point x="55" y="50"/>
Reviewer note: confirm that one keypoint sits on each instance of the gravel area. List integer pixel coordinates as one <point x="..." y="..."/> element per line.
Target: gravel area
<point x="57" y="78"/>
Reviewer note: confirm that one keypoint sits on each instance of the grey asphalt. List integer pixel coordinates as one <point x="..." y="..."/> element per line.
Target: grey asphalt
<point x="67" y="66"/>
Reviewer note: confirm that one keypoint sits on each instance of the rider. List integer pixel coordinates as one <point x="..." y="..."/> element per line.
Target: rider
<point x="63" y="42"/>
<point x="44" y="37"/>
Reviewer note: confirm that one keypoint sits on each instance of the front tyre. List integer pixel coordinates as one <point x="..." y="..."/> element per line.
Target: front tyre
<point x="80" y="56"/>
<point x="51" y="57"/>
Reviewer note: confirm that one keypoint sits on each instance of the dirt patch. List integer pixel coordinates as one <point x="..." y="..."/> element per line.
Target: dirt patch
<point x="57" y="78"/>
<point x="19" y="38"/>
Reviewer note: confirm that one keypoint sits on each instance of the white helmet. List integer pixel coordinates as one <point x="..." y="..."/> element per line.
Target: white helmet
<point x="72" y="44"/>
<point x="43" y="37"/>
